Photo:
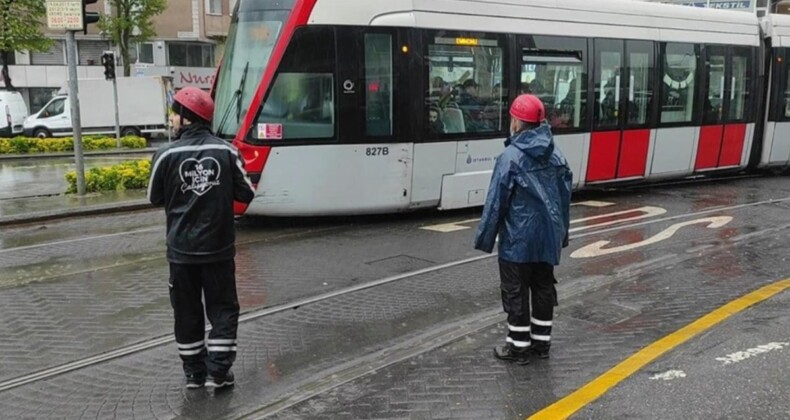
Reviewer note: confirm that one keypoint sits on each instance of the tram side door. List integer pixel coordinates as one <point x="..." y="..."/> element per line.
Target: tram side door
<point x="726" y="108"/>
<point x="369" y="77"/>
<point x="623" y="109"/>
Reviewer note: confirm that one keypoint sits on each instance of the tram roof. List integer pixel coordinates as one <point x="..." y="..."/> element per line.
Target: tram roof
<point x="778" y="28"/>
<point x="599" y="18"/>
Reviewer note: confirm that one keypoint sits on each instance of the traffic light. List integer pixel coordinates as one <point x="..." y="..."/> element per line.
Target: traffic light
<point x="88" y="17"/>
<point x="108" y="61"/>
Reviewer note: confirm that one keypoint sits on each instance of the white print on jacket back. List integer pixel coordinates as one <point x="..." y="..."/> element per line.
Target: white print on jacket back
<point x="199" y="176"/>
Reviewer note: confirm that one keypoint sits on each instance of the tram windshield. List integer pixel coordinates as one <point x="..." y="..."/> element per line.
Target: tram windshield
<point x="251" y="40"/>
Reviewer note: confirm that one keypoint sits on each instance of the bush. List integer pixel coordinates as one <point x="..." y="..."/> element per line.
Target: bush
<point x="129" y="175"/>
<point x="131" y="142"/>
<point x="22" y="145"/>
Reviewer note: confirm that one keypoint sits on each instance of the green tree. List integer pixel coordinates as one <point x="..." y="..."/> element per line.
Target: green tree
<point x="131" y="22"/>
<point x="20" y="30"/>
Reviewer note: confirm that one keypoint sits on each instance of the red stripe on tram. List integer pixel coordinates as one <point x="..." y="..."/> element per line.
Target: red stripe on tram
<point x="255" y="157"/>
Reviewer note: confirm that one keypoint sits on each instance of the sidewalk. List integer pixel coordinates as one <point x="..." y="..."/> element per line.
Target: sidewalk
<point x="32" y="187"/>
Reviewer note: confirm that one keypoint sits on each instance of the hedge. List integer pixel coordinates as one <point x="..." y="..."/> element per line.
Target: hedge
<point x="22" y="145"/>
<point x="127" y="175"/>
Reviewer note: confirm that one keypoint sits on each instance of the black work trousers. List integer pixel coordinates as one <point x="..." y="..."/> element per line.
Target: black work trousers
<point x="216" y="283"/>
<point x="528" y="297"/>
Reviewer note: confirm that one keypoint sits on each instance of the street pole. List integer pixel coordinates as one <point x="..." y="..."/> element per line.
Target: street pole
<point x="71" y="56"/>
<point x="117" y="124"/>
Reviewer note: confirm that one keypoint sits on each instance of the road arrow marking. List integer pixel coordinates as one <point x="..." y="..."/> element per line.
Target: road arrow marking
<point x="648" y="211"/>
<point x="597" y="249"/>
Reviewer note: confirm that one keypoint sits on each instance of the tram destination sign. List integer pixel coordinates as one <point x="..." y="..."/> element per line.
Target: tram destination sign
<point x="64" y="14"/>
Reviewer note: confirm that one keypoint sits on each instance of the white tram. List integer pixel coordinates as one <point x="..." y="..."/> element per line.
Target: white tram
<point x="375" y="106"/>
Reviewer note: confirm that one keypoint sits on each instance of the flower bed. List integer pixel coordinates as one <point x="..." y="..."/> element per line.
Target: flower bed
<point x="129" y="175"/>
<point x="23" y="145"/>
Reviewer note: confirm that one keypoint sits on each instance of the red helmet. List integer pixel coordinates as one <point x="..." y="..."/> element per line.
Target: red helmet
<point x="528" y="108"/>
<point x="197" y="101"/>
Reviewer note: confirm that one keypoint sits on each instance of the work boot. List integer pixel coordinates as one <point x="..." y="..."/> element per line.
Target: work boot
<point x="220" y="380"/>
<point x="196" y="381"/>
<point x="541" y="352"/>
<point x="509" y="354"/>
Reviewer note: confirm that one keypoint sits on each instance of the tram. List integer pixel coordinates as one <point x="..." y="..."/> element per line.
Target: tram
<point x="377" y="106"/>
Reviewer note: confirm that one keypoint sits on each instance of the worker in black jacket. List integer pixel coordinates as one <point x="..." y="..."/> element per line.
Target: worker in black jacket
<point x="197" y="178"/>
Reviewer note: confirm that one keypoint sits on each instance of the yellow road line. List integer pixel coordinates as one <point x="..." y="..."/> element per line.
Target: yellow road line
<point x="567" y="406"/>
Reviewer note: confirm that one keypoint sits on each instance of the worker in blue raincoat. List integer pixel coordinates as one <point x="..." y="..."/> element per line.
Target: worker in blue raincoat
<point x="528" y="208"/>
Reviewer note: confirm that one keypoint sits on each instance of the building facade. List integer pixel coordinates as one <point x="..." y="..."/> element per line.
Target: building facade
<point x="187" y="46"/>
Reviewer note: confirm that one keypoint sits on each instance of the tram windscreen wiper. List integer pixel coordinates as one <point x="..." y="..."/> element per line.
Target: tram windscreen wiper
<point x="238" y="96"/>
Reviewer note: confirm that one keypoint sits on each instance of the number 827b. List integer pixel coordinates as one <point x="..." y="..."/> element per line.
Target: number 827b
<point x="377" y="151"/>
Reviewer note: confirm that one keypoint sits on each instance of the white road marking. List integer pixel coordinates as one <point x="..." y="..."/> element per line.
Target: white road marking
<point x="740" y="356"/>
<point x="669" y="375"/>
<point x="597" y="249"/>
<point x="648" y="211"/>
<point x="450" y="227"/>
<point x="593" y="203"/>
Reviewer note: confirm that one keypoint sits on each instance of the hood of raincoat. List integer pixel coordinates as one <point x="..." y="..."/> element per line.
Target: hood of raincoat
<point x="528" y="201"/>
<point x="537" y="143"/>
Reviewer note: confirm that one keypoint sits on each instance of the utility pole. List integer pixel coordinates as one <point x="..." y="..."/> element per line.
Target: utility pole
<point x="71" y="16"/>
<point x="74" y="99"/>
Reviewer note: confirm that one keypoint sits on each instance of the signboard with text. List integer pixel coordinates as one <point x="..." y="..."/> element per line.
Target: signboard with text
<point x="734" y="5"/>
<point x="64" y="14"/>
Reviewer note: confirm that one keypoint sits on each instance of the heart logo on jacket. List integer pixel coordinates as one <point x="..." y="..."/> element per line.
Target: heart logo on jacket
<point x="199" y="176"/>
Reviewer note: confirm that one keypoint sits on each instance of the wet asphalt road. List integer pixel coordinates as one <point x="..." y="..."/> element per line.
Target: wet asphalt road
<point x="74" y="289"/>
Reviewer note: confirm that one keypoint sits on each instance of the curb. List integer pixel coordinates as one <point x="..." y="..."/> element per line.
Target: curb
<point x="33" y="156"/>
<point x="103" y="209"/>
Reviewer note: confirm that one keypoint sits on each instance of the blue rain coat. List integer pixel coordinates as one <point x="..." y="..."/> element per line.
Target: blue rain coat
<point x="528" y="202"/>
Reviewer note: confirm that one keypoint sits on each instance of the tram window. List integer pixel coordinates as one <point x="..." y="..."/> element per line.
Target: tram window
<point x="378" y="80"/>
<point x="714" y="100"/>
<point x="301" y="103"/>
<point x="608" y="74"/>
<point x="678" y="82"/>
<point x="639" y="84"/>
<point x="739" y="85"/>
<point x="465" y="86"/>
<point x="558" y="79"/>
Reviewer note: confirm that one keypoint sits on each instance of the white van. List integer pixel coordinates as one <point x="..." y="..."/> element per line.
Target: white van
<point x="13" y="112"/>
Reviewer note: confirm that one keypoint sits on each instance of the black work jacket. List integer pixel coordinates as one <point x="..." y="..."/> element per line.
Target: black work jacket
<point x="196" y="178"/>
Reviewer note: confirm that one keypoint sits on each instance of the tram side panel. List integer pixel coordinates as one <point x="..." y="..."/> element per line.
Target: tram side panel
<point x="338" y="179"/>
<point x="576" y="148"/>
